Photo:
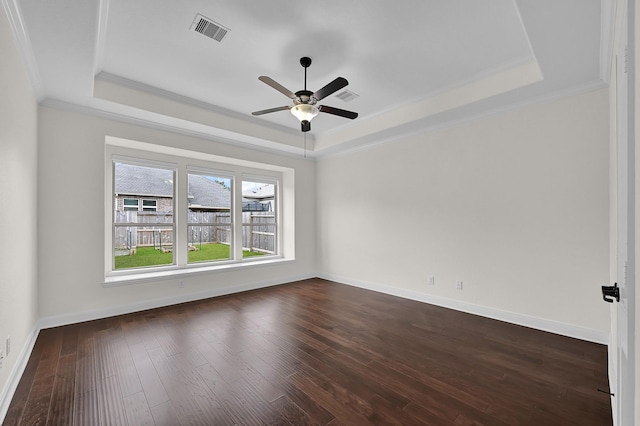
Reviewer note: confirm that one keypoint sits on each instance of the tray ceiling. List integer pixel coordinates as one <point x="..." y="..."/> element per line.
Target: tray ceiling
<point x="413" y="65"/>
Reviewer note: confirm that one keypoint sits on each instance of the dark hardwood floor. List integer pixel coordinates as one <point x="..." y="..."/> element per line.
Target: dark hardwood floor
<point x="311" y="352"/>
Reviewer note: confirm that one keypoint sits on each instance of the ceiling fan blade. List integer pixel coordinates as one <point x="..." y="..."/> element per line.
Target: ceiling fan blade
<point x="280" y="88"/>
<point x="267" y="111"/>
<point x="330" y="88"/>
<point x="338" y="111"/>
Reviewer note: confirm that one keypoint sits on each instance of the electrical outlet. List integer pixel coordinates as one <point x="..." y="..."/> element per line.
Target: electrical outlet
<point x="432" y="280"/>
<point x="459" y="285"/>
<point x="181" y="284"/>
<point x="8" y="348"/>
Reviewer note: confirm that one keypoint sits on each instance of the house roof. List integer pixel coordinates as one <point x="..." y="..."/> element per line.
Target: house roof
<point x="204" y="192"/>
<point x="156" y="182"/>
<point x="143" y="181"/>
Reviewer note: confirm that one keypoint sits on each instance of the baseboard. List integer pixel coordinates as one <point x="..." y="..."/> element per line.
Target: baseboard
<point x="511" y="317"/>
<point x="16" y="374"/>
<point x="65" y="319"/>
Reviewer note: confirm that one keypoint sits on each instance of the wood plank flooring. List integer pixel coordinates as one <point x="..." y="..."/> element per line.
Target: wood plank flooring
<point x="310" y="352"/>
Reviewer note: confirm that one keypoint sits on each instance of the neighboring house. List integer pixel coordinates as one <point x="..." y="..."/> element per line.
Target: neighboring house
<point x="145" y="189"/>
<point x="144" y="195"/>
<point x="258" y="200"/>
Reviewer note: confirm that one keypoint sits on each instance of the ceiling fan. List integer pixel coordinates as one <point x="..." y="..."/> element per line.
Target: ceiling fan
<point x="304" y="101"/>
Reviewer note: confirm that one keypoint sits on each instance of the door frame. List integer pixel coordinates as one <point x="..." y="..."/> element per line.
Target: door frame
<point x="622" y="353"/>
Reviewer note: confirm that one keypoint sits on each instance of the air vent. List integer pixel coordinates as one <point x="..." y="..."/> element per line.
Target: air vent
<point x="347" y="95"/>
<point x="209" y="28"/>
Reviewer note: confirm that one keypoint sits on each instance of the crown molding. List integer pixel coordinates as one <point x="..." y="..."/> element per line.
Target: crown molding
<point x="397" y="133"/>
<point x="16" y="21"/>
<point x="101" y="36"/>
<point x="155" y="91"/>
<point x="607" y="37"/>
<point x="163" y="124"/>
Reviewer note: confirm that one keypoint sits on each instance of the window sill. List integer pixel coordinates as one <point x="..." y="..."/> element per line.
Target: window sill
<point x="185" y="272"/>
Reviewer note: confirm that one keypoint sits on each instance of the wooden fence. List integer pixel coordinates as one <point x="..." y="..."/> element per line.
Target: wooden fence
<point x="150" y="229"/>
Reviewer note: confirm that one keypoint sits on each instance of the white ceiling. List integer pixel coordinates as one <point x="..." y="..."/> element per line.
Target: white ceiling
<point x="415" y="64"/>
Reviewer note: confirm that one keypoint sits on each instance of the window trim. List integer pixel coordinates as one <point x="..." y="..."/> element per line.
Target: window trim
<point x="146" y="154"/>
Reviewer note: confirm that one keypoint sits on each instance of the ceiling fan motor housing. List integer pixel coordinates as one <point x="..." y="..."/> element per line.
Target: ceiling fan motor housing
<point x="304" y="97"/>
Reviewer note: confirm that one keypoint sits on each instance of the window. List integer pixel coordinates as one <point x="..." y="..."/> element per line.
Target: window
<point x="130" y="204"/>
<point x="142" y="240"/>
<point x="149" y="205"/>
<point x="133" y="204"/>
<point x="259" y="223"/>
<point x="177" y="211"/>
<point x="209" y="223"/>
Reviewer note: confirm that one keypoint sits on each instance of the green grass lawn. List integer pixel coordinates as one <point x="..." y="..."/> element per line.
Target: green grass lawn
<point x="148" y="256"/>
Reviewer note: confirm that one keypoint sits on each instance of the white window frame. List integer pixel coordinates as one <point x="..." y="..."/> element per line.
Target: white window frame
<point x="188" y="161"/>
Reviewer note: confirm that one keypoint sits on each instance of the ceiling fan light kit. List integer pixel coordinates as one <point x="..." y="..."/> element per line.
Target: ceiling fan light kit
<point x="305" y="113"/>
<point x="304" y="101"/>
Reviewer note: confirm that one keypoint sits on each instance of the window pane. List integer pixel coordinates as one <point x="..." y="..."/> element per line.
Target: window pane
<point x="209" y="219"/>
<point x="155" y="184"/>
<point x="209" y="243"/>
<point x="258" y="240"/>
<point x="258" y="219"/>
<point x="143" y="238"/>
<point x="138" y="247"/>
<point x="130" y="204"/>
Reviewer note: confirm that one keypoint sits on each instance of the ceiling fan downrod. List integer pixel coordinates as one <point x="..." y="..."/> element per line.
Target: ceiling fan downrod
<point x="305" y="62"/>
<point x="305" y="103"/>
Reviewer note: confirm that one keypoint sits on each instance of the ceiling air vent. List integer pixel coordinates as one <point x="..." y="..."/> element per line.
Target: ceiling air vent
<point x="347" y="95"/>
<point x="211" y="29"/>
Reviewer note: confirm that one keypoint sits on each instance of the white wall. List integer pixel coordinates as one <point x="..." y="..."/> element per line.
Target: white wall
<point x="18" y="192"/>
<point x="515" y="205"/>
<point x="71" y="221"/>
